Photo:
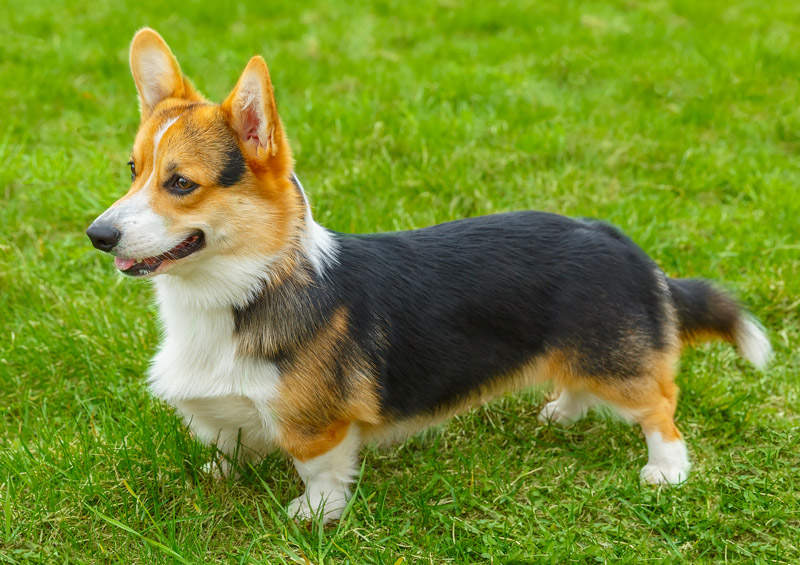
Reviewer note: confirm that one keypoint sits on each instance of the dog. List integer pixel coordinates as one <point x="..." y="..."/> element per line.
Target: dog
<point x="279" y="333"/>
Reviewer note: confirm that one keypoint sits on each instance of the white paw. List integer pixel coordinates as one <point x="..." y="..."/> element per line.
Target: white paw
<point x="665" y="474"/>
<point x="328" y="506"/>
<point x="667" y="461"/>
<point x="219" y="469"/>
<point x="554" y="411"/>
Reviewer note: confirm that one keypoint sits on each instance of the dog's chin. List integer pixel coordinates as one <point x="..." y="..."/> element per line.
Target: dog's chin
<point x="159" y="264"/>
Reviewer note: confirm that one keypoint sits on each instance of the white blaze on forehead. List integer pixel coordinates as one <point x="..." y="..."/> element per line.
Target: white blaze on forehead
<point x="161" y="131"/>
<point x="156" y="140"/>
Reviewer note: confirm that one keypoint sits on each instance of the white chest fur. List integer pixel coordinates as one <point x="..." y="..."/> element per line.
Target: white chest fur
<point x="223" y="396"/>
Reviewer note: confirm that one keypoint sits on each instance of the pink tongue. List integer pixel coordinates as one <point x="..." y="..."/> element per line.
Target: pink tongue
<point x="124" y="264"/>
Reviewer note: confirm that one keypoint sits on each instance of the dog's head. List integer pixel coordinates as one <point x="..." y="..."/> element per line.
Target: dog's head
<point x="208" y="180"/>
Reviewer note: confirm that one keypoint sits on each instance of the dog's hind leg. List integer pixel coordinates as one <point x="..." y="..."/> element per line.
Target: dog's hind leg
<point x="570" y="406"/>
<point x="650" y="399"/>
<point x="667" y="456"/>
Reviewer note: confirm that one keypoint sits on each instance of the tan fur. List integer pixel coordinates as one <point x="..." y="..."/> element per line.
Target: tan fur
<point x="268" y="204"/>
<point x="310" y="399"/>
<point x="305" y="446"/>
<point x="689" y="339"/>
<point x="649" y="398"/>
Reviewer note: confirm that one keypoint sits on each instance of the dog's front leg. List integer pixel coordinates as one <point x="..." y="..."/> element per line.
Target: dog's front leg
<point x="232" y="424"/>
<point x="229" y="449"/>
<point x="327" y="463"/>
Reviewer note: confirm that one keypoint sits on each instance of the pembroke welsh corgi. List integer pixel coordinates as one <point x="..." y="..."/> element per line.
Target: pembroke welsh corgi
<point x="279" y="333"/>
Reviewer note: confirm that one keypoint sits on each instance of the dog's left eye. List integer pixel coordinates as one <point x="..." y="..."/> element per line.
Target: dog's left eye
<point x="132" y="165"/>
<point x="180" y="185"/>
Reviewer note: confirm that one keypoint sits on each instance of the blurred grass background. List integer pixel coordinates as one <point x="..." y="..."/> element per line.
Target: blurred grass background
<point x="676" y="120"/>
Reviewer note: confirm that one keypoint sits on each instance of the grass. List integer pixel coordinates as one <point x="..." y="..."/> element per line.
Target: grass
<point x="679" y="121"/>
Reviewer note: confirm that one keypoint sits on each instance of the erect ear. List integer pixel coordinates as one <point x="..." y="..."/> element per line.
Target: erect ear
<point x="156" y="72"/>
<point x="252" y="113"/>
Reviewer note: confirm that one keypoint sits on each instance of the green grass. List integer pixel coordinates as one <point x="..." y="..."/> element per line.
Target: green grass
<point x="679" y="121"/>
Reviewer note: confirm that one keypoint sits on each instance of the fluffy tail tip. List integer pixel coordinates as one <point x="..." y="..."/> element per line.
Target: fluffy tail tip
<point x="752" y="342"/>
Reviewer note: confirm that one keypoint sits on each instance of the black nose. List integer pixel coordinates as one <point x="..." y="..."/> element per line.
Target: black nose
<point x="103" y="236"/>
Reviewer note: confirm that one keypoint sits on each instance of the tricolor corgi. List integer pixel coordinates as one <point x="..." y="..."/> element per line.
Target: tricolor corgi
<point x="279" y="333"/>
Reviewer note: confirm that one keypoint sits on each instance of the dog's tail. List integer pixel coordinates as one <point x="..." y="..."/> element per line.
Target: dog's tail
<point x="706" y="313"/>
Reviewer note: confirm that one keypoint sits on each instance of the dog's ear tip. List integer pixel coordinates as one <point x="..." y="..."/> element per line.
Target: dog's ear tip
<point x="147" y="39"/>
<point x="145" y="33"/>
<point x="257" y="64"/>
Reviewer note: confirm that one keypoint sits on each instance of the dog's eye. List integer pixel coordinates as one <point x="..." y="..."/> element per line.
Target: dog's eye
<point x="132" y="165"/>
<point x="180" y="185"/>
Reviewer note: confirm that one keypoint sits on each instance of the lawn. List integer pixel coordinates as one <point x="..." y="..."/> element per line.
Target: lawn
<point x="679" y="121"/>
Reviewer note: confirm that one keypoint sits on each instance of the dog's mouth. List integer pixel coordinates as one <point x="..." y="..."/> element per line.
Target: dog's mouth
<point x="149" y="265"/>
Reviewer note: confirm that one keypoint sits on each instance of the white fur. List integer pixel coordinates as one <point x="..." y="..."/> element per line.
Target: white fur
<point x="198" y="355"/>
<point x="157" y="139"/>
<point x="223" y="396"/>
<point x="212" y="281"/>
<point x="318" y="242"/>
<point x="667" y="461"/>
<point x="568" y="408"/>
<point x="752" y="342"/>
<point x="327" y="479"/>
